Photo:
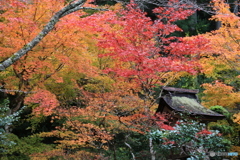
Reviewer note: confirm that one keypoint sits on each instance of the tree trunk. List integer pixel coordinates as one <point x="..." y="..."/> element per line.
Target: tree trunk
<point x="236" y="7"/>
<point x="152" y="152"/>
<point x="16" y="101"/>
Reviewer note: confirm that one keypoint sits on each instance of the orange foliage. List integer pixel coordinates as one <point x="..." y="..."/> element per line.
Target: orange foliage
<point x="225" y="48"/>
<point x="45" y="100"/>
<point x="64" y="47"/>
<point x="105" y="115"/>
<point x="222" y="56"/>
<point x="236" y="118"/>
<point x="93" y="125"/>
<point x="71" y="49"/>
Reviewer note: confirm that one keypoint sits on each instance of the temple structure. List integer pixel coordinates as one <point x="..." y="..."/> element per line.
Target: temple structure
<point x="177" y="100"/>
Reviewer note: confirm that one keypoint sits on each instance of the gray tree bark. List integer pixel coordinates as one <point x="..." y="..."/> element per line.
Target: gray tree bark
<point x="236" y="7"/>
<point x="152" y="152"/>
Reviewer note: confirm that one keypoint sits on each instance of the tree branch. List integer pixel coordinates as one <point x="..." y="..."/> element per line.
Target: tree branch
<point x="129" y="146"/>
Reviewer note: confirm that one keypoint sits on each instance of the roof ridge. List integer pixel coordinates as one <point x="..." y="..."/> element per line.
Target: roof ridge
<point x="181" y="90"/>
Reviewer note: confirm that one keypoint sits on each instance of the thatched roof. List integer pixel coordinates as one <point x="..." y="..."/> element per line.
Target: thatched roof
<point x="181" y="103"/>
<point x="186" y="101"/>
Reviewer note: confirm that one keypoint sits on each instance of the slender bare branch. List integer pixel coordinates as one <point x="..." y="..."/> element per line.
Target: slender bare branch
<point x="7" y="90"/>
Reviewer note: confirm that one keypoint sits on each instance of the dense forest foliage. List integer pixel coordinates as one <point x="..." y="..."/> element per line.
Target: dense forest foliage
<point x="81" y="79"/>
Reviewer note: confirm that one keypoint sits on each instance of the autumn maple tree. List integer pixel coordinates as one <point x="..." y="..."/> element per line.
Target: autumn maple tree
<point x="136" y="54"/>
<point x="71" y="7"/>
<point x="142" y="62"/>
<point x="21" y="22"/>
<point x="224" y="51"/>
<point x="221" y="60"/>
<point x="93" y="74"/>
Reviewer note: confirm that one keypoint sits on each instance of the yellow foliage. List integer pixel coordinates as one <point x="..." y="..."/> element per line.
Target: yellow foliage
<point x="224" y="50"/>
<point x="224" y="14"/>
<point x="99" y="84"/>
<point x="235" y="149"/>
<point x="220" y="94"/>
<point x="116" y="7"/>
<point x="236" y="119"/>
